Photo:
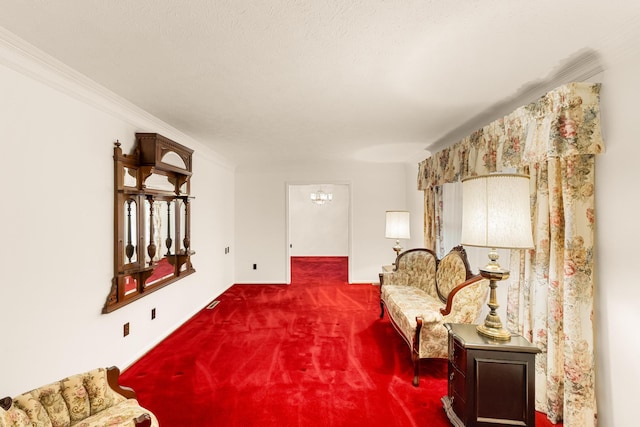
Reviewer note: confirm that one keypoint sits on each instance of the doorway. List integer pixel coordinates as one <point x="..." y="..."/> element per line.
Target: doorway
<point x="318" y="229"/>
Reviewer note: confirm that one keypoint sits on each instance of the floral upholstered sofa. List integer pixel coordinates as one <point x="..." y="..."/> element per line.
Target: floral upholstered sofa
<point x="92" y="399"/>
<point x="423" y="293"/>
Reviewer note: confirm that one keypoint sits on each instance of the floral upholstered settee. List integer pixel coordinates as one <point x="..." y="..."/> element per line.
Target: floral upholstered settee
<point x="92" y="399"/>
<point x="423" y="293"/>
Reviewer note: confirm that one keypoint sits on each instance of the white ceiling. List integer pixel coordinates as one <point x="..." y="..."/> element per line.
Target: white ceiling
<point x="283" y="80"/>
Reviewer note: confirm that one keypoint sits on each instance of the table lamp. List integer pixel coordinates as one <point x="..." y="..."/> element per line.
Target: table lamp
<point x="496" y="213"/>
<point x="397" y="227"/>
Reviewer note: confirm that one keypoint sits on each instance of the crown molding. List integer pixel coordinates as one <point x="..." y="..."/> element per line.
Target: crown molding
<point x="26" y="59"/>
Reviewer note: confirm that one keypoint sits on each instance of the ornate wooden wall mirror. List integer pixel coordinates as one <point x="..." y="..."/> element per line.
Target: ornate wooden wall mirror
<point x="152" y="233"/>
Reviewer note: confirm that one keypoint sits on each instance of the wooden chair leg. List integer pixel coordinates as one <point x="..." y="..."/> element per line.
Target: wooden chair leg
<point x="143" y="420"/>
<point x="416" y="369"/>
<point x="415" y="353"/>
<point x="381" y="309"/>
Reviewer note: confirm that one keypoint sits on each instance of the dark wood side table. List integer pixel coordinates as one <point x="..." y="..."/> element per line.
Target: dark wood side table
<point x="491" y="383"/>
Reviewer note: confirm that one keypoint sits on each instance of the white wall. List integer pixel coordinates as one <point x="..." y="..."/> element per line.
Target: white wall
<point x="57" y="220"/>
<point x="261" y="215"/>
<point x="415" y="205"/>
<point x="319" y="230"/>
<point x="617" y="311"/>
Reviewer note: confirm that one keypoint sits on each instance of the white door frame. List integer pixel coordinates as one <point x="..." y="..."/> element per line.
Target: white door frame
<point x="288" y="221"/>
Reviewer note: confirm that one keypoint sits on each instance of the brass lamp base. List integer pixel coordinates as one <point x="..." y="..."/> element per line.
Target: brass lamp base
<point x="492" y="327"/>
<point x="397" y="248"/>
<point x="499" y="334"/>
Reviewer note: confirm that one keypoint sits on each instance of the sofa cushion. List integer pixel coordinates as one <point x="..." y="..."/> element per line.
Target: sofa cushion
<point x="405" y="303"/>
<point x="77" y="398"/>
<point x="52" y="401"/>
<point x="101" y="396"/>
<point x="14" y="417"/>
<point x="44" y="406"/>
<point x="119" y="415"/>
<point x="30" y="404"/>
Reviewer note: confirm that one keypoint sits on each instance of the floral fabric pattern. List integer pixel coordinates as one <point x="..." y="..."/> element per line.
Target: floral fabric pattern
<point x="468" y="303"/>
<point x="121" y="415"/>
<point x="406" y="303"/>
<point x="101" y="396"/>
<point x="80" y="400"/>
<point x="554" y="140"/>
<point x="416" y="268"/>
<point x="451" y="272"/>
<point x="77" y="397"/>
<point x="51" y="400"/>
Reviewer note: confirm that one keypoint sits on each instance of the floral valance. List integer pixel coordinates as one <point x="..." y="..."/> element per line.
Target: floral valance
<point x="564" y="122"/>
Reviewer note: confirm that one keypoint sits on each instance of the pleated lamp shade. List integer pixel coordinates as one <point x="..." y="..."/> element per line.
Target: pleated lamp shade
<point x="397" y="225"/>
<point x="496" y="211"/>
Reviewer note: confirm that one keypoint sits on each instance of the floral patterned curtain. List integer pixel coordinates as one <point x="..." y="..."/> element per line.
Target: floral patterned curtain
<point x="554" y="140"/>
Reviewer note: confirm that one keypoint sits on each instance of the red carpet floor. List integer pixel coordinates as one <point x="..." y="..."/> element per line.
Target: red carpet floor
<point x="314" y="353"/>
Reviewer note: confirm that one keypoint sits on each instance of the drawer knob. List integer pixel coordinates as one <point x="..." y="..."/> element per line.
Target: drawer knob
<point x="451" y="376"/>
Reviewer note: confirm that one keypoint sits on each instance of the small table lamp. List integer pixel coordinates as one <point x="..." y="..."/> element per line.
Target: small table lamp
<point x="496" y="214"/>
<point x="397" y="228"/>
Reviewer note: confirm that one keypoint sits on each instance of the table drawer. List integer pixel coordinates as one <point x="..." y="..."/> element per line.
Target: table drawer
<point x="458" y="404"/>
<point x="458" y="355"/>
<point x="457" y="383"/>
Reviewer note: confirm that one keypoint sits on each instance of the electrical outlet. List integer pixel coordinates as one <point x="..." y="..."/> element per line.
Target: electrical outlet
<point x="126" y="329"/>
<point x="153" y="313"/>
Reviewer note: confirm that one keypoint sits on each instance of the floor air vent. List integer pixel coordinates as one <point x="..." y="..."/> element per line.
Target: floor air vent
<point x="213" y="305"/>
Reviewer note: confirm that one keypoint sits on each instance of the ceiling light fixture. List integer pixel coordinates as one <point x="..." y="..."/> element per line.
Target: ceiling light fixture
<point x="320" y="197"/>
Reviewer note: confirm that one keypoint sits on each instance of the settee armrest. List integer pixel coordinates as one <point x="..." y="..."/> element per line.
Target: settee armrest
<point x="447" y="309"/>
<point x="113" y="375"/>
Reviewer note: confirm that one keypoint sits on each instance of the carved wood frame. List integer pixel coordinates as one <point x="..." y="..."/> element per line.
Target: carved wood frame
<point x="147" y="159"/>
